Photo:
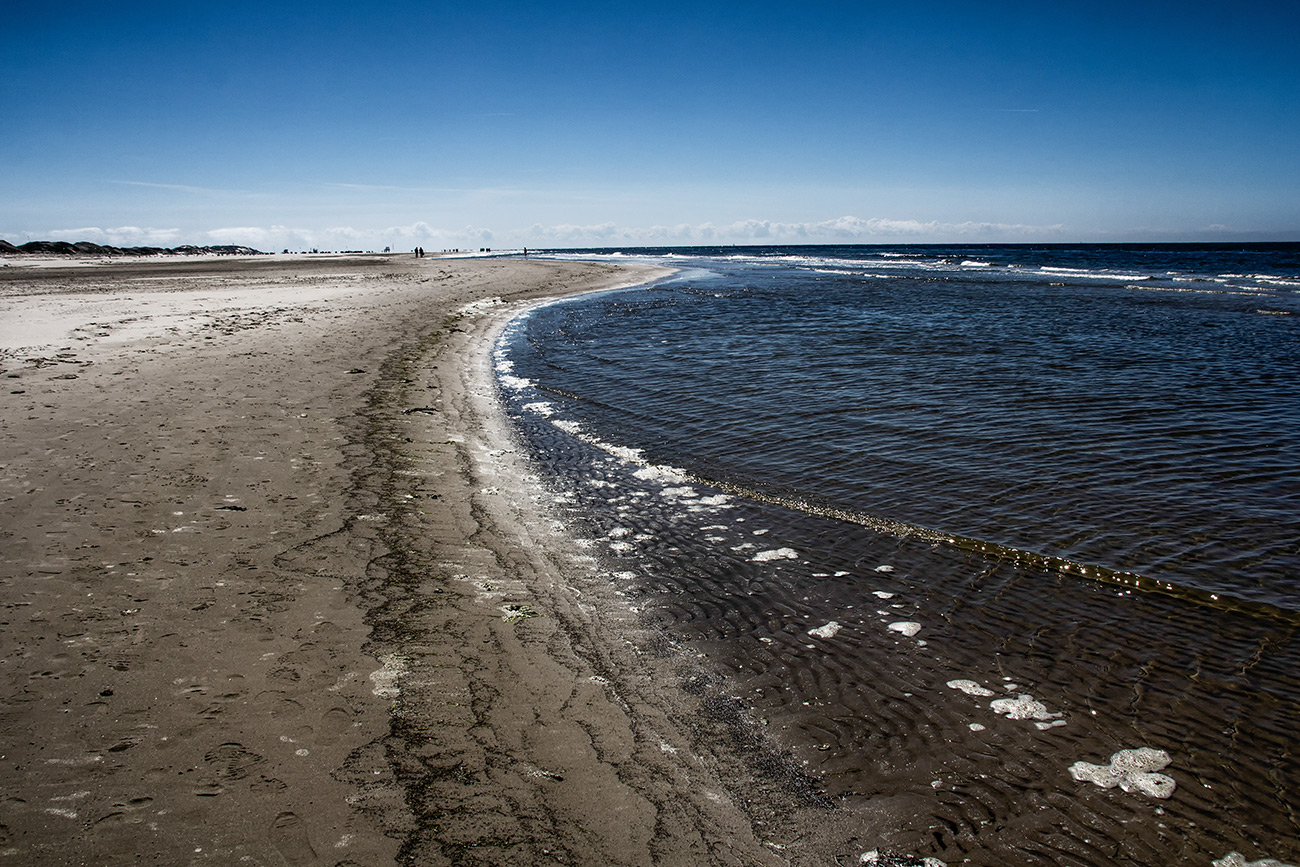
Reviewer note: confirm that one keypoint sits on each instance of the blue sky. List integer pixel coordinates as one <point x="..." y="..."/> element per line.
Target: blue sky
<point x="501" y="124"/>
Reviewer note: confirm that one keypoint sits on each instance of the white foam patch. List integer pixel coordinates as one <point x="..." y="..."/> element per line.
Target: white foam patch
<point x="905" y="627"/>
<point x="682" y="493"/>
<point x="385" y="680"/>
<point x="1131" y="770"/>
<point x="1236" y="859"/>
<point x="518" y="383"/>
<point x="874" y="857"/>
<point x="970" y="687"/>
<point x="885" y="569"/>
<point x="882" y="594"/>
<point x="827" y="631"/>
<point x="541" y="407"/>
<point x="1023" y="707"/>
<point x="657" y="473"/>
<point x="775" y="554"/>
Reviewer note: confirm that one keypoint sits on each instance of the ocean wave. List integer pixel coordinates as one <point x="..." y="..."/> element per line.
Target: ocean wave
<point x="1086" y="274"/>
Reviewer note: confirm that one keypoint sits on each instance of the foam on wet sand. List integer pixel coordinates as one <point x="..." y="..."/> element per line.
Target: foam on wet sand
<point x="828" y="631"/>
<point x="1132" y="770"/>
<point x="1236" y="859"/>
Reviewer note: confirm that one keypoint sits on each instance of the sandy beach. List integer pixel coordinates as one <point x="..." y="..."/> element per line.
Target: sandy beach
<point x="279" y="589"/>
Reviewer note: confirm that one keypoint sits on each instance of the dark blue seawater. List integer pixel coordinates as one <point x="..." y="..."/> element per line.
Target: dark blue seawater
<point x="1130" y="408"/>
<point x="856" y="476"/>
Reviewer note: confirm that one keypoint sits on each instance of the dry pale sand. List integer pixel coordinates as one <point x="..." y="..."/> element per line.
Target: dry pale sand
<point x="279" y="589"/>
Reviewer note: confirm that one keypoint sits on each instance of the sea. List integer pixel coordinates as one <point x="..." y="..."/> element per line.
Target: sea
<point x="1004" y="539"/>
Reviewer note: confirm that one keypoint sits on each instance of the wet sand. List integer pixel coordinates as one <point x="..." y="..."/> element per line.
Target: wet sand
<point x="279" y="589"/>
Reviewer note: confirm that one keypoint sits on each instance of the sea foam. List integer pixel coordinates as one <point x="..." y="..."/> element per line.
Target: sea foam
<point x="827" y="631"/>
<point x="1025" y="707"/>
<point x="1236" y="859"/>
<point x="970" y="687"/>
<point x="1131" y="770"/>
<point x="775" y="554"/>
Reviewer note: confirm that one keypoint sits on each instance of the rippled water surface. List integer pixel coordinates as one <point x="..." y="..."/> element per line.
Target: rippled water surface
<point x="859" y="475"/>
<point x="1115" y="416"/>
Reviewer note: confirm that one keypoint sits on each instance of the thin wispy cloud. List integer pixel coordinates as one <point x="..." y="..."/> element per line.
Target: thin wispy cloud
<point x="180" y="188"/>
<point x="392" y="188"/>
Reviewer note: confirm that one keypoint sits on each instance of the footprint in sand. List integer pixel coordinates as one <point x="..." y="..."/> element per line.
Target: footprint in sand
<point x="123" y="812"/>
<point x="334" y="723"/>
<point x="232" y="761"/>
<point x="290" y="838"/>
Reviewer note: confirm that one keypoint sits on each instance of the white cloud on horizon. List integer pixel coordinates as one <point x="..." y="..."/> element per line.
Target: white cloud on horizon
<point x="419" y="234"/>
<point x="121" y="236"/>
<point x="846" y="229"/>
<point x="842" y="230"/>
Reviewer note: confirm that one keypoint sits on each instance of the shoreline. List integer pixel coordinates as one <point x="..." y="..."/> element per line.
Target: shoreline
<point x="277" y="589"/>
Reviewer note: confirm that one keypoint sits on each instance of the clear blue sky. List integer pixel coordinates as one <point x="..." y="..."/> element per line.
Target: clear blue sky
<point x="351" y="125"/>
